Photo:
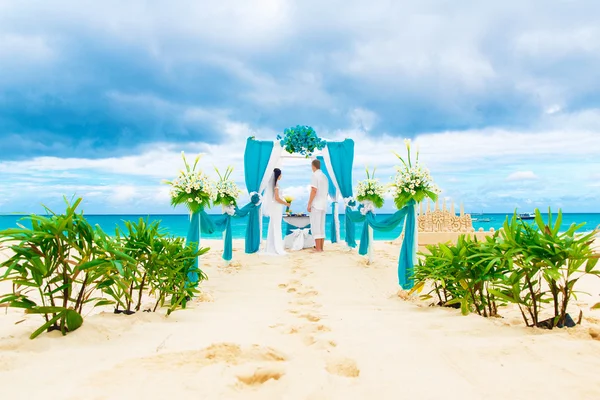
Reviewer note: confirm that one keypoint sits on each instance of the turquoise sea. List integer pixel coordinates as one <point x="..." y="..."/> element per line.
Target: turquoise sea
<point x="177" y="225"/>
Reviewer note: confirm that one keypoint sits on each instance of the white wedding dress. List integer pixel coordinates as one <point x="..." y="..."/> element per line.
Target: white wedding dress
<point x="274" y="211"/>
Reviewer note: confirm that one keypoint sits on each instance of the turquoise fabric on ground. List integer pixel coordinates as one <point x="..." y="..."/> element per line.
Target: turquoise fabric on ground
<point x="408" y="253"/>
<point x="256" y="159"/>
<point x="193" y="238"/>
<point x="341" y="155"/>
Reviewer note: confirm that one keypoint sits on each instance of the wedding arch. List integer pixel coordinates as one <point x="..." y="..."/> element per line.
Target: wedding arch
<point x="412" y="184"/>
<point x="261" y="157"/>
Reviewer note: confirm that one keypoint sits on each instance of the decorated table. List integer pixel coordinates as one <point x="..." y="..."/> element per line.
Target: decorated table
<point x="299" y="238"/>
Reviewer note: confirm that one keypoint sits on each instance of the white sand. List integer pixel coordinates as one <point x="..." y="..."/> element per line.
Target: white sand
<point x="307" y="326"/>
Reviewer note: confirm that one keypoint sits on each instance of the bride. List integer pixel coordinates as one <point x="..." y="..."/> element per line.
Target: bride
<point x="273" y="209"/>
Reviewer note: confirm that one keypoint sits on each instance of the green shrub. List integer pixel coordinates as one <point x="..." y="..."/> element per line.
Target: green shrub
<point x="62" y="263"/>
<point x="462" y="274"/>
<point x="545" y="266"/>
<point x="168" y="273"/>
<point x="56" y="259"/>
<point x="530" y="265"/>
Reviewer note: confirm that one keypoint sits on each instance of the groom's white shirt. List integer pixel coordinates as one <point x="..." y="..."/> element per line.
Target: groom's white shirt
<point x="321" y="183"/>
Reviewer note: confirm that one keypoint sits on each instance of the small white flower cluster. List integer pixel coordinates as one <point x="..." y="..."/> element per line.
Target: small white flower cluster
<point x="370" y="187"/>
<point x="194" y="183"/>
<point x="227" y="189"/>
<point x="412" y="180"/>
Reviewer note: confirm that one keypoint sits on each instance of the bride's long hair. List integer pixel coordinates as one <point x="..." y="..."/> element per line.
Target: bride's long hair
<point x="276" y="175"/>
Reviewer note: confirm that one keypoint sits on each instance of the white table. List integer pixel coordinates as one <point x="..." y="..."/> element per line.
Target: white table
<point x="300" y="238"/>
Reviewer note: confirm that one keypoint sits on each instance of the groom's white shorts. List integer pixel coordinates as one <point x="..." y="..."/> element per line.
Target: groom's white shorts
<point x="317" y="223"/>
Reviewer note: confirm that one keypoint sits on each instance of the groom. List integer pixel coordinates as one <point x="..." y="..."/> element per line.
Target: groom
<point x="317" y="204"/>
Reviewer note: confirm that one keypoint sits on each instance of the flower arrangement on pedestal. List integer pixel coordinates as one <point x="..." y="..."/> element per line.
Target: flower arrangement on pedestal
<point x="371" y="190"/>
<point x="192" y="188"/>
<point x="288" y="199"/>
<point x="412" y="181"/>
<point x="227" y="190"/>
<point x="302" y="140"/>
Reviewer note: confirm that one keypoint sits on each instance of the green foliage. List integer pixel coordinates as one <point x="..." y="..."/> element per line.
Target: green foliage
<point x="62" y="264"/>
<point x="56" y="268"/>
<point x="462" y="274"/>
<point x="530" y="265"/>
<point x="546" y="265"/>
<point x="167" y="274"/>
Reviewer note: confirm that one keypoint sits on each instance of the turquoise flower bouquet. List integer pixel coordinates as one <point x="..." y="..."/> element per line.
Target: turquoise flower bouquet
<point x="302" y="140"/>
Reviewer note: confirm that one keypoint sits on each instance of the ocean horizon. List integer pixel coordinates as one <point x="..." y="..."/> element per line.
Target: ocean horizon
<point x="177" y="224"/>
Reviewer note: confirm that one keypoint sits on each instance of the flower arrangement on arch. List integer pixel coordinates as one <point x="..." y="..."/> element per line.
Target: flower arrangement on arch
<point x="412" y="181"/>
<point x="227" y="190"/>
<point x="192" y="188"/>
<point x="302" y="140"/>
<point x="371" y="190"/>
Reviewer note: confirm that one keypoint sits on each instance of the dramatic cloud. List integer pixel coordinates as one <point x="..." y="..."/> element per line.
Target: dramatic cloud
<point x="99" y="98"/>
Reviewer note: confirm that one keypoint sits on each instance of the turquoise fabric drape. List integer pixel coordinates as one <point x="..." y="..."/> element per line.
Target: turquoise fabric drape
<point x="333" y="232"/>
<point x="408" y="251"/>
<point x="332" y="190"/>
<point x="193" y="238"/>
<point x="333" y="194"/>
<point x="341" y="155"/>
<point x="256" y="159"/>
<point x="219" y="223"/>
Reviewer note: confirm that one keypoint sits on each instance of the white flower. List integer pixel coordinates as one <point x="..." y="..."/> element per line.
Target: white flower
<point x="190" y="200"/>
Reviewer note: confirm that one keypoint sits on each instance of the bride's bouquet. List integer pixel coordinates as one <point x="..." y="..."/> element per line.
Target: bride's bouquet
<point x="288" y="199"/>
<point x="371" y="190"/>
<point x="412" y="181"/>
<point x="227" y="190"/>
<point x="192" y="188"/>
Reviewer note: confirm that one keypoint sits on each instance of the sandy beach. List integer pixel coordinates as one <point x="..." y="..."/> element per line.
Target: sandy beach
<point x="304" y="326"/>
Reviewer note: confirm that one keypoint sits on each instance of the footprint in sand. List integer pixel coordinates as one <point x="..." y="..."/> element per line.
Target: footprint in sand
<point x="308" y="303"/>
<point x="342" y="366"/>
<point x="226" y="353"/>
<point x="308" y="329"/>
<point x="260" y="376"/>
<point x="309" y="293"/>
<point x="282" y="285"/>
<point x="292" y="290"/>
<point x="311" y="317"/>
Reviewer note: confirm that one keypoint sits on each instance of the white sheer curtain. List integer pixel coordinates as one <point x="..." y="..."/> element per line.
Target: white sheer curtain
<point x="274" y="161"/>
<point x="336" y="213"/>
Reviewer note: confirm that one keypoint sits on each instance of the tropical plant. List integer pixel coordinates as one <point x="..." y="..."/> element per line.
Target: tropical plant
<point x="56" y="268"/>
<point x="227" y="190"/>
<point x="168" y="274"/>
<point x="412" y="181"/>
<point x="462" y="274"/>
<point x="192" y="188"/>
<point x="434" y="269"/>
<point x="137" y="242"/>
<point x="371" y="190"/>
<point x="302" y="140"/>
<point x="546" y="265"/>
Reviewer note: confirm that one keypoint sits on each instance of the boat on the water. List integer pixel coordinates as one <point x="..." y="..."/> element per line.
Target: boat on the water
<point x="526" y="216"/>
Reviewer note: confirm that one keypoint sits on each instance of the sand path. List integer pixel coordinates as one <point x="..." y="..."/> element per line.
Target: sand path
<point x="307" y="326"/>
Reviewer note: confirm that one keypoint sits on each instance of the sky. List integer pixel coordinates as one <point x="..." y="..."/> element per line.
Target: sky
<point x="98" y="99"/>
